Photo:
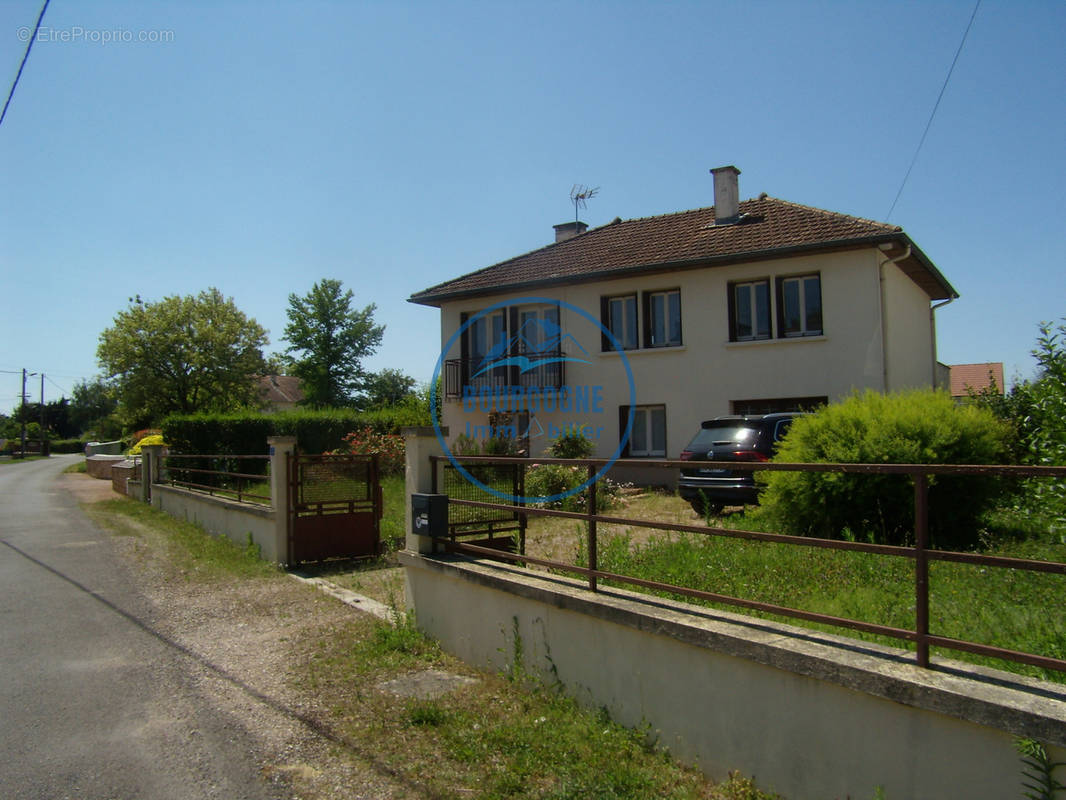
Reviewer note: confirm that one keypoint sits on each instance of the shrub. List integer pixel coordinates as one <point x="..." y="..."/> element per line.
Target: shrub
<point x="245" y="433"/>
<point x="916" y="427"/>
<point x="152" y="438"/>
<point x="388" y="447"/>
<point x="571" y="444"/>
<point x="1036" y="410"/>
<point x="68" y="445"/>
<point x="547" y="480"/>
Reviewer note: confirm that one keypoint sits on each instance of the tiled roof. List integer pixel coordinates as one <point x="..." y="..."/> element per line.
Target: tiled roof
<point x="975" y="376"/>
<point x="769" y="228"/>
<point x="280" y="389"/>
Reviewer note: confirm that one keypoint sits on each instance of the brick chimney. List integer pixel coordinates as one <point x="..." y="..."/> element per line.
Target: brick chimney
<point x="568" y="230"/>
<point x="726" y="195"/>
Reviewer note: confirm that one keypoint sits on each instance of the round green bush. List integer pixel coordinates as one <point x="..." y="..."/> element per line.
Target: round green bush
<point x="915" y="427"/>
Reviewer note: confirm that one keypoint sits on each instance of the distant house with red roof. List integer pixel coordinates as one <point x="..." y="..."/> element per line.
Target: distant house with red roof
<point x="279" y="392"/>
<point x="976" y="377"/>
<point x="745" y="307"/>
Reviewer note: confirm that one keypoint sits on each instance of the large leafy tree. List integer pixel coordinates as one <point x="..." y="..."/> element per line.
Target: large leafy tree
<point x="92" y="405"/>
<point x="390" y="387"/>
<point x="182" y="354"/>
<point x="328" y="340"/>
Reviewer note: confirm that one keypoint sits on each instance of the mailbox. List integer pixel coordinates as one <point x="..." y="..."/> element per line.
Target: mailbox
<point x="429" y="515"/>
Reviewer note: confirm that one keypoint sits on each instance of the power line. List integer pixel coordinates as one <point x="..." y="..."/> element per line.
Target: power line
<point x="26" y="55"/>
<point x="936" y="105"/>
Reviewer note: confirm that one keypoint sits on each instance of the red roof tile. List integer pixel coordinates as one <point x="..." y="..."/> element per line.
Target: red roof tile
<point x="975" y="376"/>
<point x="769" y="228"/>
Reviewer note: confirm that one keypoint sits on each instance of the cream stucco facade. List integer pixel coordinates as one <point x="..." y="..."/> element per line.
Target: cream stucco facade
<point x="877" y="333"/>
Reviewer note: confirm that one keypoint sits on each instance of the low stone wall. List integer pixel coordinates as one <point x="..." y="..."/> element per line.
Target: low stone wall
<point x="123" y="472"/>
<point x="809" y="714"/>
<point x="225" y="517"/>
<point x="100" y="466"/>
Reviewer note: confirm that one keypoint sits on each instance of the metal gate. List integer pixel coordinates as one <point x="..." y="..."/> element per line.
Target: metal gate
<point x="334" y="507"/>
<point x="495" y="528"/>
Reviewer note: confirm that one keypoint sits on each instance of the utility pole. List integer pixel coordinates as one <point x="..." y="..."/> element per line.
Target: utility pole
<point x="22" y="450"/>
<point x="43" y="435"/>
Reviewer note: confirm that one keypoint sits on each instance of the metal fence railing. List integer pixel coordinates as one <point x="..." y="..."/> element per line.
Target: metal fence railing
<point x="921" y="553"/>
<point x="236" y="477"/>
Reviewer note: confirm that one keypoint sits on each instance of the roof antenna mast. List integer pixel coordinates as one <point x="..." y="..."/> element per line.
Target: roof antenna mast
<point x="580" y="195"/>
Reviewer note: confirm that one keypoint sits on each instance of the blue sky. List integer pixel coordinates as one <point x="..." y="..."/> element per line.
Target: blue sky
<point x="264" y="146"/>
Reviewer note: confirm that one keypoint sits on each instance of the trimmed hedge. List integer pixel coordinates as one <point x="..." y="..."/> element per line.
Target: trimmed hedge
<point x="916" y="427"/>
<point x="68" y="445"/>
<point x="245" y="433"/>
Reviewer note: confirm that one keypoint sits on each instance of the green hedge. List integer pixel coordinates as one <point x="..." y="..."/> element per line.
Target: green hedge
<point x="246" y="433"/>
<point x="916" y="427"/>
<point x="68" y="445"/>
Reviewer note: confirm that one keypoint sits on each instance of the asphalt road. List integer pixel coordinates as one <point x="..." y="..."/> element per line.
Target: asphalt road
<point x="94" y="702"/>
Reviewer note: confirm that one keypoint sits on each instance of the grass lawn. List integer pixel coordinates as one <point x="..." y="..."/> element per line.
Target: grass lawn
<point x="12" y="460"/>
<point x="500" y="735"/>
<point x="1008" y="608"/>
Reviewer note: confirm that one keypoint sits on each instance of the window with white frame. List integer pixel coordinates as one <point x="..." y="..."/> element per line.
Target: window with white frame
<point x="663" y="319"/>
<point x="799" y="306"/>
<point x="749" y="310"/>
<point x="620" y="318"/>
<point x="648" y="436"/>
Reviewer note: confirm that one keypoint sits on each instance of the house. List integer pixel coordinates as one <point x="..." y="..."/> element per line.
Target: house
<point x="279" y="392"/>
<point x="655" y="324"/>
<point x="986" y="377"/>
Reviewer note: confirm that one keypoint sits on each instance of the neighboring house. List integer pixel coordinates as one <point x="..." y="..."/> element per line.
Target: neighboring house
<point x="978" y="377"/>
<point x="745" y="307"/>
<point x="279" y="392"/>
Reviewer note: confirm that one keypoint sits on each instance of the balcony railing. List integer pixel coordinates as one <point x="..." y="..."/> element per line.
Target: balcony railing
<point x="545" y="373"/>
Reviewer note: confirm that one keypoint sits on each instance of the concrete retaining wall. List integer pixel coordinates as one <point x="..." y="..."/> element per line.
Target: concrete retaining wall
<point x="100" y="466"/>
<point x="224" y="517"/>
<point x="810" y="715"/>
<point x="123" y="472"/>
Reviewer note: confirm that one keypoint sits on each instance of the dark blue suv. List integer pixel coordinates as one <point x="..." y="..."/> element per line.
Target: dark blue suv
<point x="747" y="438"/>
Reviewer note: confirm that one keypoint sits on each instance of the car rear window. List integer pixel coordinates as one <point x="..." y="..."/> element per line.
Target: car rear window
<point x="722" y="433"/>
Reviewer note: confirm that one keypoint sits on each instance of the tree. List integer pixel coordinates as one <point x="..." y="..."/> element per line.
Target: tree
<point x="92" y="409"/>
<point x="329" y="340"/>
<point x="390" y="387"/>
<point x="182" y="354"/>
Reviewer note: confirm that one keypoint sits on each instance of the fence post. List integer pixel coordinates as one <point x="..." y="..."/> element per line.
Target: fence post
<point x="281" y="447"/>
<point x="421" y="443"/>
<point x="151" y="469"/>
<point x="921" y="567"/>
<point x="593" y="559"/>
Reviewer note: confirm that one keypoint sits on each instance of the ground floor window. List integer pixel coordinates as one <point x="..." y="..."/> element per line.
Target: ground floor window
<point x="648" y="437"/>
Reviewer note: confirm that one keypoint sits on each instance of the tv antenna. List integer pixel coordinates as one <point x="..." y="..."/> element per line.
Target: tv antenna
<point x="580" y="195"/>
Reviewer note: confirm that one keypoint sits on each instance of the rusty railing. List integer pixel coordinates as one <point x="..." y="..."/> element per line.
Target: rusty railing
<point x="223" y="482"/>
<point x="921" y="553"/>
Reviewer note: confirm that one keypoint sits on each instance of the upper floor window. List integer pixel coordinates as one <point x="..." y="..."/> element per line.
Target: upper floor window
<point x="621" y="321"/>
<point x="749" y="310"/>
<point x="658" y="323"/>
<point x="799" y="306"/>
<point x="663" y="319"/>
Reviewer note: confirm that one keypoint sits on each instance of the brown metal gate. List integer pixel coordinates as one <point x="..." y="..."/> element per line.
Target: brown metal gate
<point x="334" y="507"/>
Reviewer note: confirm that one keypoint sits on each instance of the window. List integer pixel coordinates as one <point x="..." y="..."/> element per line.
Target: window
<point x="648" y="436"/>
<point x="662" y="319"/>
<point x="620" y="318"/>
<point x="799" y="303"/>
<point x="749" y="311"/>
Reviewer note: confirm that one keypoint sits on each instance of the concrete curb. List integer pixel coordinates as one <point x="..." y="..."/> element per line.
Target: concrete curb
<point x="348" y="597"/>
